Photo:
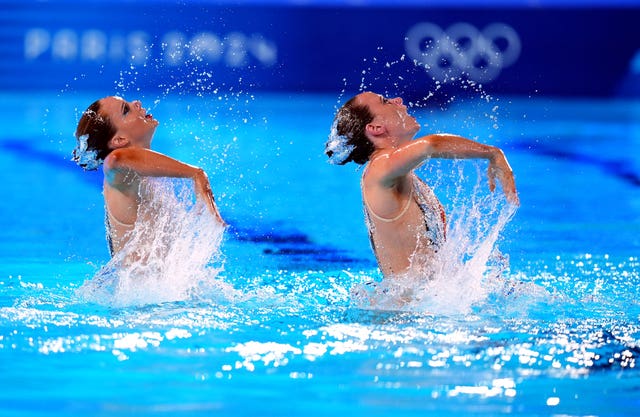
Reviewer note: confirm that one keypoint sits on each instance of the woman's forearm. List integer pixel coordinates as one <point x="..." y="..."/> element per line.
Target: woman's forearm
<point x="456" y="147"/>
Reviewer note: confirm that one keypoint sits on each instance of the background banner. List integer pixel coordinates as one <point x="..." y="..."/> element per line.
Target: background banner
<point x="509" y="49"/>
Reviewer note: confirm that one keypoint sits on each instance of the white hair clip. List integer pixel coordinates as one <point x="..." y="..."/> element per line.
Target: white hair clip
<point x="337" y="147"/>
<point x="87" y="159"/>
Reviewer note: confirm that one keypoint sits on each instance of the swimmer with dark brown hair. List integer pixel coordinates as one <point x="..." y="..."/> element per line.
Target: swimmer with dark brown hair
<point x="117" y="134"/>
<point x="406" y="221"/>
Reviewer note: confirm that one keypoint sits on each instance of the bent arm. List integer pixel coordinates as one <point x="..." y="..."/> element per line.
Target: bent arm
<point x="408" y="157"/>
<point x="125" y="163"/>
<point x="121" y="163"/>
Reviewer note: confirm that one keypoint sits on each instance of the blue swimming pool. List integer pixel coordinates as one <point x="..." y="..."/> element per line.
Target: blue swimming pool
<point x="280" y="333"/>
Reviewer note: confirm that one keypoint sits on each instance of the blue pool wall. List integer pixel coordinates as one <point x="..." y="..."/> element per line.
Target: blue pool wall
<point x="568" y="48"/>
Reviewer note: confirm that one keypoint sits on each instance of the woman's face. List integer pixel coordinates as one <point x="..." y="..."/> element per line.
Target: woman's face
<point x="130" y="120"/>
<point x="391" y="114"/>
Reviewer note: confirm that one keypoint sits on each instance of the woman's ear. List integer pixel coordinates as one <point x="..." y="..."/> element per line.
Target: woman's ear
<point x="375" y="133"/>
<point x="374" y="130"/>
<point x="118" y="142"/>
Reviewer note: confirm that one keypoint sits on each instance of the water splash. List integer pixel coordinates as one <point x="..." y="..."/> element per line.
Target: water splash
<point x="173" y="253"/>
<point x="468" y="268"/>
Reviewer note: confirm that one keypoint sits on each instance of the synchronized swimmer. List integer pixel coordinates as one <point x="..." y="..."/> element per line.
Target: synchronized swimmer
<point x="117" y="134"/>
<point x="406" y="222"/>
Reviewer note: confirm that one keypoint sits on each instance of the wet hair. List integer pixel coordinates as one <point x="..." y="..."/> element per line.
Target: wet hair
<point x="348" y="141"/>
<point x="92" y="135"/>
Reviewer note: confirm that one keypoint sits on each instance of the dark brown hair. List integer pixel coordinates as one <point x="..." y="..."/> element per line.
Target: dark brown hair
<point x="96" y="130"/>
<point x="350" y="122"/>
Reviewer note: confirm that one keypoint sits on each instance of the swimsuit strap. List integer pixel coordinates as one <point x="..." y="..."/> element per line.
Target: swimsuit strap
<point x="115" y="221"/>
<point x="111" y="222"/>
<point x="373" y="213"/>
<point x="385" y="219"/>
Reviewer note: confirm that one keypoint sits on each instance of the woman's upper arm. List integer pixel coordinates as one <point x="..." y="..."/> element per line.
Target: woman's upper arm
<point x="403" y="160"/>
<point x="116" y="170"/>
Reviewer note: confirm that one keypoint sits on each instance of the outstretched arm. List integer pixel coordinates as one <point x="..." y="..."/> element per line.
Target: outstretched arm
<point x="125" y="163"/>
<point x="408" y="157"/>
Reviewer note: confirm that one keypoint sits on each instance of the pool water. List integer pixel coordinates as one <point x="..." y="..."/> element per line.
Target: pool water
<point x="280" y="332"/>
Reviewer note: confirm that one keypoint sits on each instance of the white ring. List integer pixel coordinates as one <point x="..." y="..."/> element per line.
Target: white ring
<point x="464" y="48"/>
<point x="474" y="49"/>
<point x="413" y="42"/>
<point x="500" y="30"/>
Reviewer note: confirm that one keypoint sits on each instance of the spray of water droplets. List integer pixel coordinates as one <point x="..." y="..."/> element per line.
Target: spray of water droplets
<point x="423" y="93"/>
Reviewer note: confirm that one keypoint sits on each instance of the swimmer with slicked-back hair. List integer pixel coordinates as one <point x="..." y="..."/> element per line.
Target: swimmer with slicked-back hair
<point x="406" y="221"/>
<point x="117" y="134"/>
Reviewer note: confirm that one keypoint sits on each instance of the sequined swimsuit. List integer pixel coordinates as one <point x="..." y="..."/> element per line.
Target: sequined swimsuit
<point x="432" y="213"/>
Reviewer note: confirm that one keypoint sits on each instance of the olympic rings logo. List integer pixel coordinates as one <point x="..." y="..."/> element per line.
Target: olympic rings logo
<point x="463" y="50"/>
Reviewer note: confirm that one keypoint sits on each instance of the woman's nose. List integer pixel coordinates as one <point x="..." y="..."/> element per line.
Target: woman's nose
<point x="137" y="103"/>
<point x="396" y="100"/>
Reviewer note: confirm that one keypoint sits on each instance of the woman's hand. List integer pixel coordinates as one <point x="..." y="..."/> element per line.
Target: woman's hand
<point x="203" y="192"/>
<point x="499" y="168"/>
